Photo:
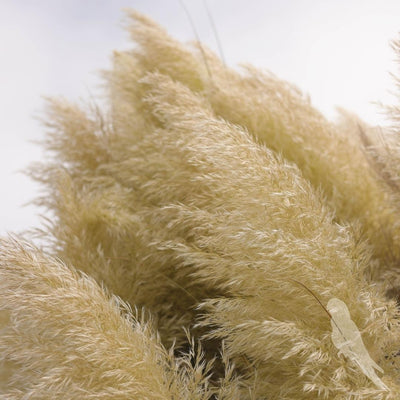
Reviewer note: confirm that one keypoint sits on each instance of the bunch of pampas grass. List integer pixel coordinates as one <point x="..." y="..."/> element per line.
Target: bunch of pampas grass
<point x="212" y="236"/>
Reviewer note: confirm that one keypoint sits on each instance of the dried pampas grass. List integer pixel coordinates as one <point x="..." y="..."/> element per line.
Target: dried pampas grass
<point x="221" y="206"/>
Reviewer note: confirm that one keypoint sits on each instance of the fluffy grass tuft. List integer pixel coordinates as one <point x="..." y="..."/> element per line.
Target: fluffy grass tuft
<point x="228" y="212"/>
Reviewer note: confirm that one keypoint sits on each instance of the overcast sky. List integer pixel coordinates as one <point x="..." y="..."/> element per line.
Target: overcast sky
<point x="336" y="51"/>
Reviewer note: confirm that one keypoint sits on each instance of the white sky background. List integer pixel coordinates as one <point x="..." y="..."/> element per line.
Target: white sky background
<point x="337" y="51"/>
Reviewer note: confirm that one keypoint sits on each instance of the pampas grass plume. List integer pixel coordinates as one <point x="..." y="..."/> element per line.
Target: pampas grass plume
<point x="228" y="213"/>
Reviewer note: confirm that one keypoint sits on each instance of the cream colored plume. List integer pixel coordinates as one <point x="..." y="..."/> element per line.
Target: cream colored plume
<point x="64" y="337"/>
<point x="220" y="206"/>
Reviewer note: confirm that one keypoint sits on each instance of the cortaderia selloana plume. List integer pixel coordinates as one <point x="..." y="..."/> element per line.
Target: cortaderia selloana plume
<point x="211" y="236"/>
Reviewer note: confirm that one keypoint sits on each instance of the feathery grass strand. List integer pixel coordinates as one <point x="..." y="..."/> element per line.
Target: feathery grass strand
<point x="216" y="35"/>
